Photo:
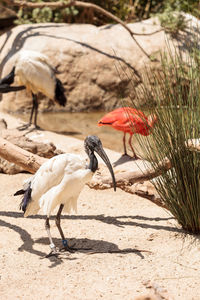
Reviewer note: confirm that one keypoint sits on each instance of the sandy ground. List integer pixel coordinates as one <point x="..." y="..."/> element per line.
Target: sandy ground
<point x="128" y="247"/>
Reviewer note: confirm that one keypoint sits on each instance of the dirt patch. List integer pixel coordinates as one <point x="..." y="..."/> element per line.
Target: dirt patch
<point x="128" y="247"/>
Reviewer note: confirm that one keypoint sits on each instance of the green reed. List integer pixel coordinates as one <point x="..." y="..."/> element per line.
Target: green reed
<point x="175" y="89"/>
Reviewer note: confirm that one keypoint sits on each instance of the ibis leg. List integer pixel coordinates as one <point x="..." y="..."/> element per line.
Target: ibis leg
<point x="64" y="241"/>
<point x="35" y="104"/>
<point x="33" y="109"/>
<point x="130" y="143"/>
<point x="124" y="143"/>
<point x="52" y="246"/>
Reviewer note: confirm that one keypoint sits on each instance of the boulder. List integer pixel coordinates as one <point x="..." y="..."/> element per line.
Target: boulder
<point x="99" y="66"/>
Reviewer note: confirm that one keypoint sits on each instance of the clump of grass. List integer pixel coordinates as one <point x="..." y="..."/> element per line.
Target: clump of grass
<point x="176" y="90"/>
<point x="172" y="20"/>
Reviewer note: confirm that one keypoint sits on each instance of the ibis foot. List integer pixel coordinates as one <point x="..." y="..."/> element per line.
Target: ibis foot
<point x="125" y="154"/>
<point x="35" y="127"/>
<point x="72" y="249"/>
<point x="67" y="248"/>
<point x="28" y="125"/>
<point x="24" y="127"/>
<point x="54" y="251"/>
<point x="135" y="157"/>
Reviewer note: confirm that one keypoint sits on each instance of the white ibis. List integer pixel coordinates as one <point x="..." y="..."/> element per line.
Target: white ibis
<point x="33" y="72"/>
<point x="59" y="181"/>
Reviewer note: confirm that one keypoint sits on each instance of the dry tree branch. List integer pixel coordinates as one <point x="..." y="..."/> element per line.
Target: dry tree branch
<point x="99" y="9"/>
<point x="28" y="161"/>
<point x="130" y="177"/>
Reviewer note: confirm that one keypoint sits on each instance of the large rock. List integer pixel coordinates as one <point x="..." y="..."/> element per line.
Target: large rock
<point x="94" y="63"/>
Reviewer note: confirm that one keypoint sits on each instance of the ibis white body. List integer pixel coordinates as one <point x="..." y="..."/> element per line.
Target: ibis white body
<point x="58" y="181"/>
<point x="33" y="71"/>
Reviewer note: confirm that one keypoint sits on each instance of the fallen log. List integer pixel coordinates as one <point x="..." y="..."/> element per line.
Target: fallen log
<point x="19" y="139"/>
<point x="102" y="180"/>
<point x="28" y="161"/>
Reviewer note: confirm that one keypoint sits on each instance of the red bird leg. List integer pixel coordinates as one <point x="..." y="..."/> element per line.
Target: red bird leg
<point x="130" y="143"/>
<point x="124" y="142"/>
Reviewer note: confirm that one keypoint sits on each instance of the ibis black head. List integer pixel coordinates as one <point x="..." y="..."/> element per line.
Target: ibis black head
<point x="93" y="144"/>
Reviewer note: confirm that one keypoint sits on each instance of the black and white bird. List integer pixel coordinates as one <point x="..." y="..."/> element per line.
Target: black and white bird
<point x="33" y="72"/>
<point x="59" y="181"/>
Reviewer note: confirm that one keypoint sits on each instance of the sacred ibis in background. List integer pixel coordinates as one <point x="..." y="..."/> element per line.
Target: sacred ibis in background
<point x="129" y="120"/>
<point x="59" y="181"/>
<point x="33" y="72"/>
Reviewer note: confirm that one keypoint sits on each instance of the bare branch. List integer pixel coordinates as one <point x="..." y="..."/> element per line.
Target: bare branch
<point x="28" y="161"/>
<point x="123" y="179"/>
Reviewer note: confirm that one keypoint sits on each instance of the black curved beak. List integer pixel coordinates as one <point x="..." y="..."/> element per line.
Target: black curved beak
<point x="99" y="150"/>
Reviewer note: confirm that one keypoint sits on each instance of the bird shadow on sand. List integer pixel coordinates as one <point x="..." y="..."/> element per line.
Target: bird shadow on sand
<point x="86" y="246"/>
<point x="123" y="159"/>
<point x="119" y="221"/>
<point x="40" y="129"/>
<point x="90" y="247"/>
<point x="67" y="132"/>
<point x="28" y="242"/>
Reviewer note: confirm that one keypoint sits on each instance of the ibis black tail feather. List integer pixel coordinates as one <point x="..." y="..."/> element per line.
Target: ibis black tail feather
<point x="9" y="79"/>
<point x="26" y="199"/>
<point x="60" y="93"/>
<point x="20" y="192"/>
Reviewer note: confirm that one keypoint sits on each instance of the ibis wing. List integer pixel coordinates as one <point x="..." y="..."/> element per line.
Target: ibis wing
<point x="33" y="71"/>
<point x="112" y="117"/>
<point x="66" y="192"/>
<point x="50" y="175"/>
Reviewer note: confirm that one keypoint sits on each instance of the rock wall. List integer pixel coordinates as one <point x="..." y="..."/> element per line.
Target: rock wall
<point x="96" y="64"/>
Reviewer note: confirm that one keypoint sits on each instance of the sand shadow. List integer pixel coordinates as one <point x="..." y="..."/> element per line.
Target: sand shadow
<point x="119" y="221"/>
<point x="86" y="246"/>
<point x="28" y="242"/>
<point x="123" y="159"/>
<point x="89" y="246"/>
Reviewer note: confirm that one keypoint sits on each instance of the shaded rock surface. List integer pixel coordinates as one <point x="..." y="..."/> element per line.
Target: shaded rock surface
<point x="96" y="64"/>
<point x="99" y="66"/>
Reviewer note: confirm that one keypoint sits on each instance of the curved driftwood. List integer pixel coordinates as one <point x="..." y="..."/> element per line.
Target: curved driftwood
<point x="18" y="138"/>
<point x="28" y="161"/>
<point x="102" y="180"/>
